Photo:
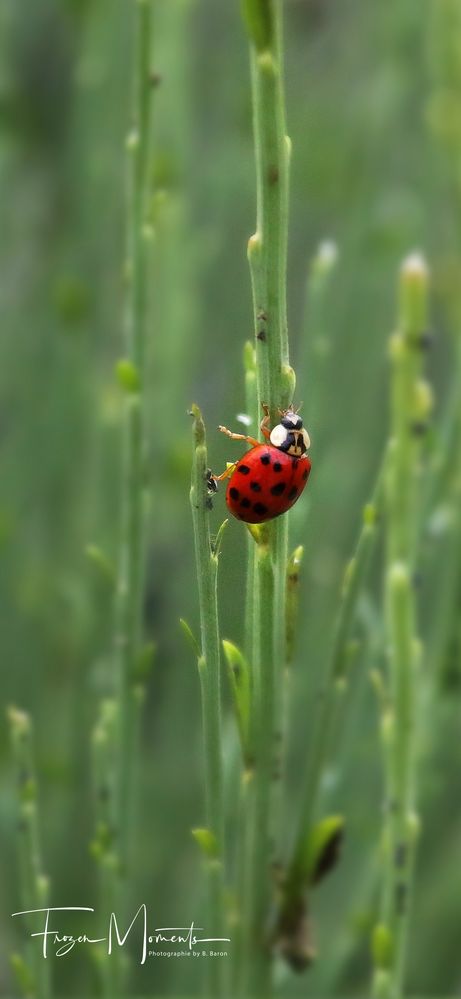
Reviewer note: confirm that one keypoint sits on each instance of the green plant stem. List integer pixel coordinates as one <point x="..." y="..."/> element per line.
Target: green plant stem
<point x="267" y="253"/>
<point x="130" y="580"/>
<point x="264" y="696"/>
<point x="399" y="717"/>
<point x="209" y="669"/>
<point x="316" y="346"/>
<point x="446" y="547"/>
<point x="34" y="887"/>
<point x="251" y="405"/>
<point x="444" y="25"/>
<point x="103" y="846"/>
<point x="335" y="673"/>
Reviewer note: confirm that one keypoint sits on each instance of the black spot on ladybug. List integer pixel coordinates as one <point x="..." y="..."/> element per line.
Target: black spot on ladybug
<point x="265" y="459"/>
<point x="243" y="469"/>
<point x="305" y="474"/>
<point x="245" y="502"/>
<point x="277" y="466"/>
<point x="234" y="493"/>
<point x="293" y="492"/>
<point x="255" y="487"/>
<point x="260" y="509"/>
<point x="278" y="489"/>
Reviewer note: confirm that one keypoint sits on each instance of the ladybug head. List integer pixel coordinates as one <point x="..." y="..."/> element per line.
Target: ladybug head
<point x="289" y="435"/>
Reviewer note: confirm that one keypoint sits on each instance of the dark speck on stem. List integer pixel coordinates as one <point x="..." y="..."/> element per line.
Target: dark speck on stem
<point x="400" y="897"/>
<point x="425" y="340"/>
<point x="419" y="428"/>
<point x="400" y="854"/>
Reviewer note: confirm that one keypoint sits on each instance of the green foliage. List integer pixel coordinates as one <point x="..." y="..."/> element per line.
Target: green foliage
<point x="207" y="842"/>
<point x="239" y="677"/>
<point x="128" y="376"/>
<point x="319" y="852"/>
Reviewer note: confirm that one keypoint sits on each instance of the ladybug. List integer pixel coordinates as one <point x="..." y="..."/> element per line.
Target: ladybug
<point x="270" y="477"/>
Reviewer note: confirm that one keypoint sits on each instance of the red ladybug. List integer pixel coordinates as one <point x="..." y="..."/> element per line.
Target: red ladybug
<point x="270" y="477"/>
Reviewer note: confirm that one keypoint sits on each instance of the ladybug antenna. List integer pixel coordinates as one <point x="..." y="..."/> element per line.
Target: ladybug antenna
<point x="290" y="409"/>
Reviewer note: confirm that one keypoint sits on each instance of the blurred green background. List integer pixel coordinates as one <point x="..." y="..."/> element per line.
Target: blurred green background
<point x="373" y="96"/>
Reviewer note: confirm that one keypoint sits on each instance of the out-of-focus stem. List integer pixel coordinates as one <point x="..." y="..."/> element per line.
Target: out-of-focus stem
<point x="103" y="846"/>
<point x="209" y="668"/>
<point x="33" y="882"/>
<point x="334" y="677"/>
<point x="409" y="400"/>
<point x="130" y="577"/>
<point x="316" y="343"/>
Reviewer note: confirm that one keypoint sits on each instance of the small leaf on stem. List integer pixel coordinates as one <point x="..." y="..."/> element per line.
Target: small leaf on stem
<point x="187" y="631"/>
<point x="207" y="842"/>
<point x="239" y="675"/>
<point x="128" y="376"/>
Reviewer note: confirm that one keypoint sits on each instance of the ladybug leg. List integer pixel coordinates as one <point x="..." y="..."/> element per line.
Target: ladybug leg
<point x="264" y="422"/>
<point x="239" y="437"/>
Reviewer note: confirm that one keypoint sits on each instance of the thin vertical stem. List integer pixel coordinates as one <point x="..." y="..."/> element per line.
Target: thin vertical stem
<point x="251" y="404"/>
<point x="103" y="846"/>
<point x="335" y="672"/>
<point x="447" y="567"/>
<point x="130" y="581"/>
<point x="210" y="677"/>
<point x="316" y="346"/>
<point x="34" y="884"/>
<point x="264" y="696"/>
<point x="267" y="254"/>
<point x="409" y="399"/>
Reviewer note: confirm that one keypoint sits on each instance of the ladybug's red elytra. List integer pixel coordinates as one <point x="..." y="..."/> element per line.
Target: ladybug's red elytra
<point x="270" y="477"/>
